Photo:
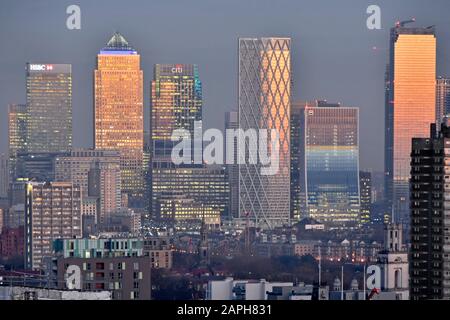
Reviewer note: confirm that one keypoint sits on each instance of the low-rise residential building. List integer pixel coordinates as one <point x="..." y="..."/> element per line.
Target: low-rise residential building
<point x="128" y="278"/>
<point x="12" y="242"/>
<point x="159" y="250"/>
<point x="98" y="248"/>
<point x="31" y="293"/>
<point x="230" y="289"/>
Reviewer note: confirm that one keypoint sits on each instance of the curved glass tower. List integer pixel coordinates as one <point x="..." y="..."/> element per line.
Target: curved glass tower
<point x="264" y="103"/>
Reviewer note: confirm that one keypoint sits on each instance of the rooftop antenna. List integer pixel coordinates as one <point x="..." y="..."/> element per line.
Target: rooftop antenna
<point x="405" y="22"/>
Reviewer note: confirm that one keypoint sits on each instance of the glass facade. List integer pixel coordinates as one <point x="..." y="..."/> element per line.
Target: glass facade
<point x="186" y="191"/>
<point x="442" y="100"/>
<point x="176" y="103"/>
<point x="264" y="103"/>
<point x="331" y="149"/>
<point x="49" y="104"/>
<point x="17" y="134"/>
<point x="189" y="192"/>
<point x="410" y="107"/>
<point x="119" y="122"/>
<point x="232" y="170"/>
<point x="365" y="190"/>
<point x="298" y="210"/>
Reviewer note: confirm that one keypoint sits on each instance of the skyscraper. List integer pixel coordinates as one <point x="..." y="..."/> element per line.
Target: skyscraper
<point x="52" y="211"/>
<point x="103" y="167"/>
<point x="4" y="175"/>
<point x="176" y="103"/>
<point x="330" y="164"/>
<point x="298" y="210"/>
<point x="442" y="99"/>
<point x="365" y="191"/>
<point x="49" y="107"/>
<point x="232" y="170"/>
<point x="429" y="267"/>
<point x="264" y="103"/>
<point x="17" y="134"/>
<point x="119" y="123"/>
<point x="410" y="106"/>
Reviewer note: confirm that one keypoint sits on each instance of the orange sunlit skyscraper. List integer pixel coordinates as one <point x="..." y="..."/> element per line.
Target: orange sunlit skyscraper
<point x="264" y="99"/>
<point x="410" y="106"/>
<point x="118" y="96"/>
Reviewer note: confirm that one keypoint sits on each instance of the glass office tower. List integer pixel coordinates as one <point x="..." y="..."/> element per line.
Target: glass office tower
<point x="442" y="100"/>
<point x="331" y="164"/>
<point x="264" y="103"/>
<point x="298" y="210"/>
<point x="119" y="122"/>
<point x="189" y="191"/>
<point x="410" y="107"/>
<point x="176" y="103"/>
<point x="49" y="106"/>
<point x="17" y="134"/>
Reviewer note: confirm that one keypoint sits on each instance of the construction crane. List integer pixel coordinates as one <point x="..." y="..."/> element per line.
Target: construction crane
<point x="403" y="23"/>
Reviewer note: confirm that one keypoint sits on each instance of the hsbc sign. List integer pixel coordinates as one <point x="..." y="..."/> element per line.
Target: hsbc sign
<point x="41" y="67"/>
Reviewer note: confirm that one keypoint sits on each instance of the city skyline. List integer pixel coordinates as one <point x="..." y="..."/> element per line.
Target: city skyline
<point x="191" y="150"/>
<point x="307" y="82"/>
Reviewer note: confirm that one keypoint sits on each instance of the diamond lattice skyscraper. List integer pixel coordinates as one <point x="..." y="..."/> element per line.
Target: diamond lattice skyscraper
<point x="119" y="123"/>
<point x="264" y="103"/>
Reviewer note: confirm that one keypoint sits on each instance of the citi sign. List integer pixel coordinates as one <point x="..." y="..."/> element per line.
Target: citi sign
<point x="177" y="69"/>
<point x="41" y="67"/>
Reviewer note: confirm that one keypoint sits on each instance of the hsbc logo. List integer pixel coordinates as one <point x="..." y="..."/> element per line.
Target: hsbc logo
<point x="41" y="67"/>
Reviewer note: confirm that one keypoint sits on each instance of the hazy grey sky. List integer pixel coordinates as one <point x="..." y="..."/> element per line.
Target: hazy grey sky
<point x="333" y="54"/>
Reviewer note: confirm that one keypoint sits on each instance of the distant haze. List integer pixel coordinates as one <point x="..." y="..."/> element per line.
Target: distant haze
<point x="334" y="55"/>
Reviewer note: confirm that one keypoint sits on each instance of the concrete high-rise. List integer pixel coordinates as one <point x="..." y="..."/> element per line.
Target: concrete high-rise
<point x="49" y="107"/>
<point x="118" y="111"/>
<point x="52" y="211"/>
<point x="97" y="172"/>
<point x="410" y="107"/>
<point x="264" y="100"/>
<point x="429" y="266"/>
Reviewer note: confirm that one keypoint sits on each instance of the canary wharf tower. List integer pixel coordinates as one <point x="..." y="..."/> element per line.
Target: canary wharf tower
<point x="410" y="107"/>
<point x="119" y="122"/>
<point x="49" y="107"/>
<point x="264" y="103"/>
